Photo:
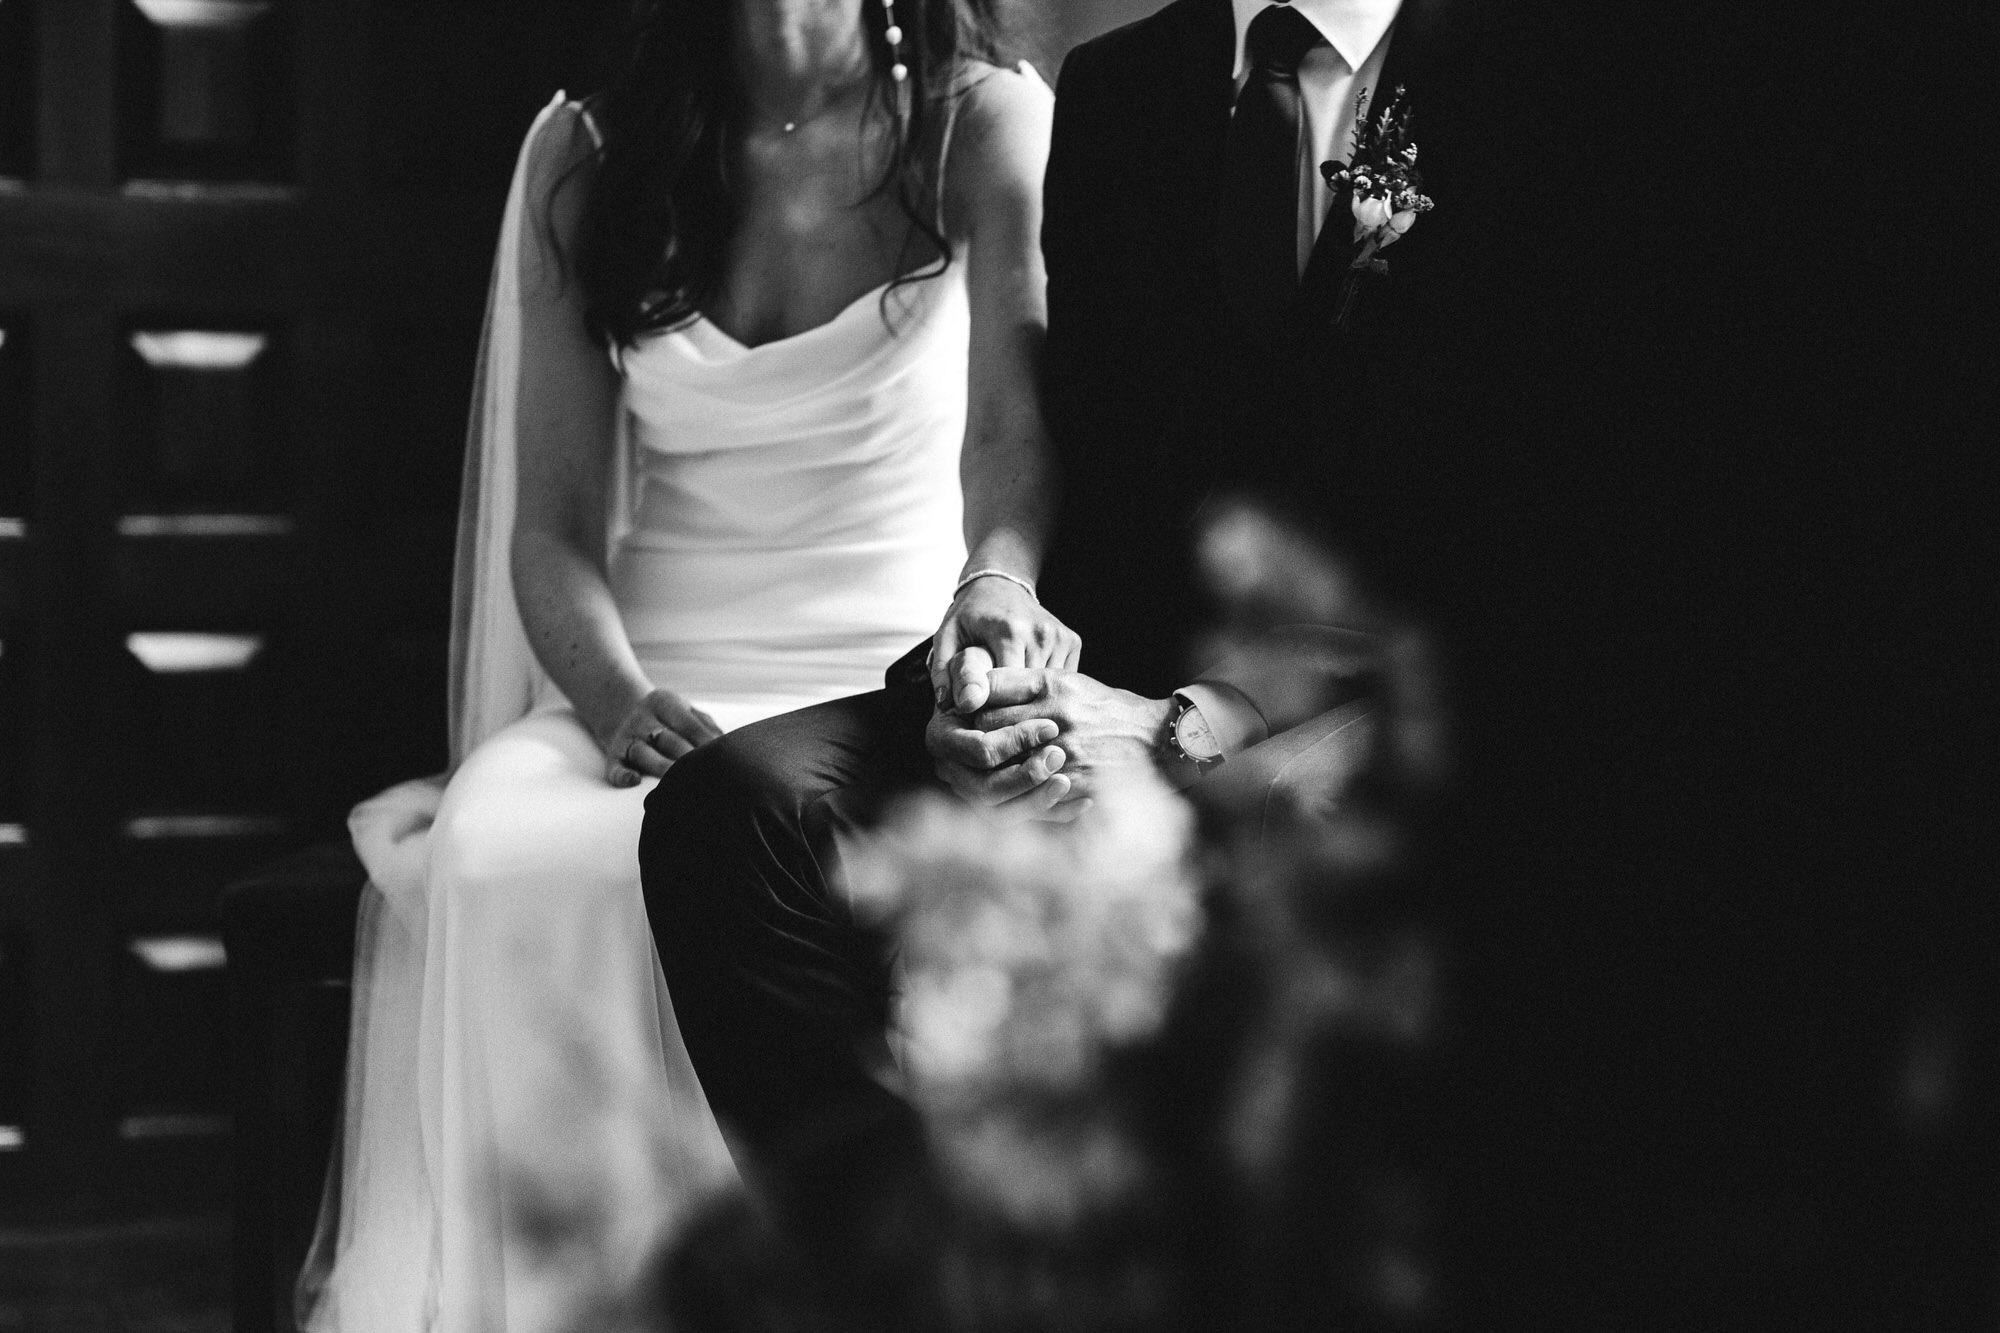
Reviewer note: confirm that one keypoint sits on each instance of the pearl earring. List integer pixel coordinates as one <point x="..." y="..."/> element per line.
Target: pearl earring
<point x="894" y="36"/>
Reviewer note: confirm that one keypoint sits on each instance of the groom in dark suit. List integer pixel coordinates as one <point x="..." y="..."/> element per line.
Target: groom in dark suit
<point x="1198" y="268"/>
<point x="1187" y="356"/>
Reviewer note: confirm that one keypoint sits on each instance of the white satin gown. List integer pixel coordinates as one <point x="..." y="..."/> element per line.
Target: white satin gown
<point x="523" y="1126"/>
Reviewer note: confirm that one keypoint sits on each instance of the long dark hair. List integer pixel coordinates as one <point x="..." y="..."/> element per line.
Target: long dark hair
<point x="661" y="206"/>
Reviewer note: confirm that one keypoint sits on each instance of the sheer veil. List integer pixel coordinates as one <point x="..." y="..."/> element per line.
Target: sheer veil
<point x="494" y="676"/>
<point x="378" y="1217"/>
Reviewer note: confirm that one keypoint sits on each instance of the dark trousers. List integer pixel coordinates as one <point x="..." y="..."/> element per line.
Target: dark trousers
<point x="782" y="996"/>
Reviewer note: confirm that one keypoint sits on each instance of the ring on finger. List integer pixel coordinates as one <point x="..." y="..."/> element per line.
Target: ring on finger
<point x="627" y="754"/>
<point x="653" y="737"/>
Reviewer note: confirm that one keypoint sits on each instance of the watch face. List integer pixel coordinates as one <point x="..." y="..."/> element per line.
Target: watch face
<point x="1191" y="730"/>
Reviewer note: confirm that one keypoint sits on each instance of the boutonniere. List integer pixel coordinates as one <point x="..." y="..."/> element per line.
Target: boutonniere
<point x="1384" y="190"/>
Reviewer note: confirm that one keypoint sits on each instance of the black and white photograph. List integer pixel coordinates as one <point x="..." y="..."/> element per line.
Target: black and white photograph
<point x="995" y="666"/>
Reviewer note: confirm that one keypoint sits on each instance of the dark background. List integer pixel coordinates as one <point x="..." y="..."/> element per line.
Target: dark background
<point x="1723" y="899"/>
<point x="1728" y="1027"/>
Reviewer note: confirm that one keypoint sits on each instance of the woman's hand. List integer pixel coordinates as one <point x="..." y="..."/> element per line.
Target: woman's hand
<point x="1003" y="618"/>
<point x="654" y="732"/>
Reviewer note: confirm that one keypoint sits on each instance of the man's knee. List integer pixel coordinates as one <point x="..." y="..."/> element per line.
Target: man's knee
<point x="701" y="779"/>
<point x="766" y="775"/>
<point x="1319" y="769"/>
<point x="717" y="794"/>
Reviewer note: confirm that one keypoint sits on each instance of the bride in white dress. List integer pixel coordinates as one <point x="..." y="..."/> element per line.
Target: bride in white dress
<point x="757" y="372"/>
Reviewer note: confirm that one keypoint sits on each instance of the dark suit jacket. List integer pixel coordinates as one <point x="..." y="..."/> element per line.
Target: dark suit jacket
<point x="1157" y="400"/>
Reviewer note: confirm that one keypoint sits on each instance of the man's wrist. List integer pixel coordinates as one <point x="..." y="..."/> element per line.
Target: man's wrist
<point x="1185" y="751"/>
<point x="1232" y="716"/>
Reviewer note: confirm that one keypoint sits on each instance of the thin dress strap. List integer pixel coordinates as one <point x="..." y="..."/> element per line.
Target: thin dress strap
<point x="944" y="159"/>
<point x="582" y="110"/>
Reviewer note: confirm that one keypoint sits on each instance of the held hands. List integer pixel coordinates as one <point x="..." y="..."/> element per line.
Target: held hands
<point x="653" y="733"/>
<point x="1003" y="618"/>
<point x="1043" y="740"/>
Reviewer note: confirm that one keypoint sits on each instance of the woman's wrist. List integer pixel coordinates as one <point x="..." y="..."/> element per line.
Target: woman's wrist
<point x="610" y="701"/>
<point x="974" y="576"/>
<point x="1005" y="551"/>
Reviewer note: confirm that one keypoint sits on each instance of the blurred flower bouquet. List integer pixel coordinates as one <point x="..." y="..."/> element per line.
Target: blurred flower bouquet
<point x="1383" y="188"/>
<point x="1031" y="955"/>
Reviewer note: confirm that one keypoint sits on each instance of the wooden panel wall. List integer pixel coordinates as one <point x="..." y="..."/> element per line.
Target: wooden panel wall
<point x="242" y="263"/>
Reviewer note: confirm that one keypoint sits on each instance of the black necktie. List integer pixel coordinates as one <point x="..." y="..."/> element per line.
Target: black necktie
<point x="1260" y="227"/>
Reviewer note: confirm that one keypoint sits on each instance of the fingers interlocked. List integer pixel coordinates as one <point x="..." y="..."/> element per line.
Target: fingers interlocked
<point x="1010" y="774"/>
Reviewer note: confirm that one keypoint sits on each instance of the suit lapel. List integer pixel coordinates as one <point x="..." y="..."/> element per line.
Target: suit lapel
<point x="1210" y="49"/>
<point x="1202" y="89"/>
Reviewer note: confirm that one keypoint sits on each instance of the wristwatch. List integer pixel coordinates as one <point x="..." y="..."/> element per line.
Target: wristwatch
<point x="1190" y="747"/>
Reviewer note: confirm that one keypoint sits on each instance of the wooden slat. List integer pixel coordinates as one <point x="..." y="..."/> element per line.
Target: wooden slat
<point x="15" y="757"/>
<point x="16" y="438"/>
<point x="159" y="879"/>
<point x="17" y="88"/>
<point x="69" y="1124"/>
<point x="15" y="1083"/>
<point x="332" y="121"/>
<point x="13" y="575"/>
<point x="250" y="254"/>
<point x="332" y="650"/>
<point x="76" y="124"/>
<point x="230" y="112"/>
<point x="201" y="583"/>
<point x="18" y="878"/>
<point x="173" y="1080"/>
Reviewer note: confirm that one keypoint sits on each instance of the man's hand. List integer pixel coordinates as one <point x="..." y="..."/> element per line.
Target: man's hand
<point x="993" y="760"/>
<point x="1010" y="773"/>
<point x="1013" y="629"/>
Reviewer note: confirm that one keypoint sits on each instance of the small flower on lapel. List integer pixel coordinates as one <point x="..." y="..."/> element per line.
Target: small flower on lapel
<point x="1383" y="187"/>
<point x="1370" y="214"/>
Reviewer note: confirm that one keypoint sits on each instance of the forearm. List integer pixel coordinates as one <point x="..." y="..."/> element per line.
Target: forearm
<point x="1292" y="673"/>
<point x="575" y="630"/>
<point x="1012" y="544"/>
<point x="1009" y="492"/>
<point x="1000" y="157"/>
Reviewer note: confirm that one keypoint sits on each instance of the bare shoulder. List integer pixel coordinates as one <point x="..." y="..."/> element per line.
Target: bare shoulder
<point x="561" y="150"/>
<point x="1000" y="142"/>
<point x="559" y="160"/>
<point x="1002" y="90"/>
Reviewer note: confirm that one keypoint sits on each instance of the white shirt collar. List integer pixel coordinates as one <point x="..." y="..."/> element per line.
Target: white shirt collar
<point x="1353" y="27"/>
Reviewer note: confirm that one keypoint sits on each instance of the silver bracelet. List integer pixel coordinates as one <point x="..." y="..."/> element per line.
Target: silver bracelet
<point x="979" y="574"/>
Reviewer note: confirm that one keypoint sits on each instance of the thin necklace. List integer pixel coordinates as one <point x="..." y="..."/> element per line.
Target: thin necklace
<point x="834" y="102"/>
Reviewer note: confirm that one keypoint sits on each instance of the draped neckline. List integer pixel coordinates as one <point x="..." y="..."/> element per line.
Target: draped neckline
<point x="702" y="320"/>
<point x="732" y="345"/>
